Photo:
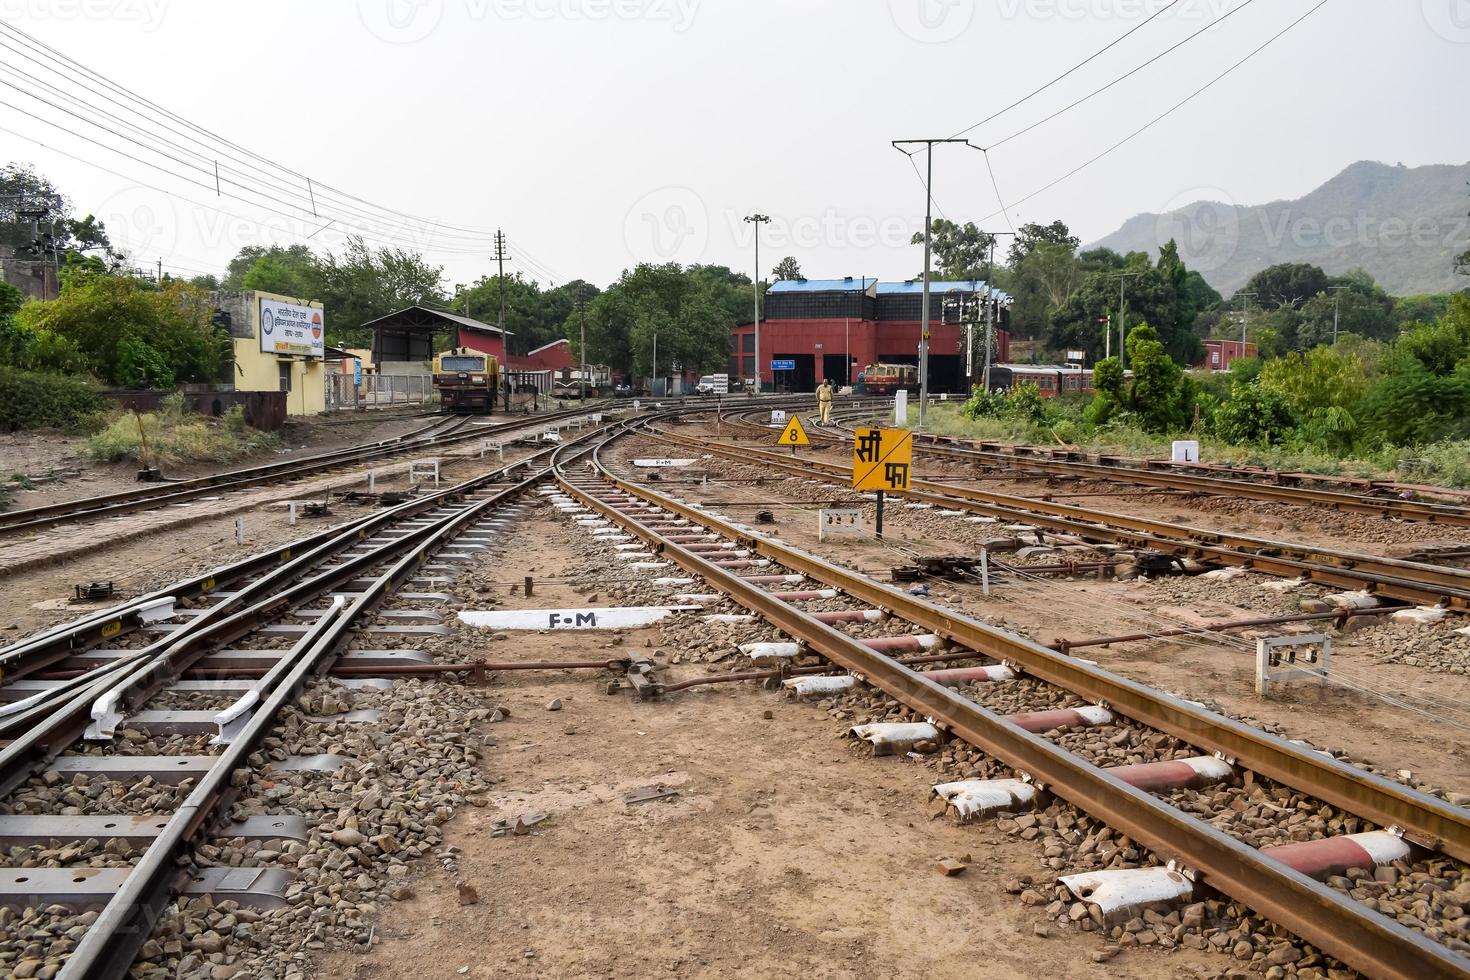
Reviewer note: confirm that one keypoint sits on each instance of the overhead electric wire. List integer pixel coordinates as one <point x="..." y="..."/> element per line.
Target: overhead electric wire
<point x="326" y="189"/>
<point x="1128" y="74"/>
<point x="1167" y="112"/>
<point x="1026" y="98"/>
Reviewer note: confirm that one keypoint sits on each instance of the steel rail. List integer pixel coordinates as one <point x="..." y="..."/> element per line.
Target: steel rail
<point x="60" y="718"/>
<point x="48" y="646"/>
<point x="1319" y="914"/>
<point x="1416" y="582"/>
<point x="1174" y="477"/>
<point x="109" y="947"/>
<point x="1362" y="487"/>
<point x="1429" y="821"/>
<point x="161" y="495"/>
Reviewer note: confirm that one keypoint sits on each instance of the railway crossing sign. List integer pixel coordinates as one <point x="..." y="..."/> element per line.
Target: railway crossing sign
<point x="882" y="459"/>
<point x="794" y="434"/>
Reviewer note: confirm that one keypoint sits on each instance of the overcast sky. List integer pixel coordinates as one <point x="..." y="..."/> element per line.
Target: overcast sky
<point x="600" y="133"/>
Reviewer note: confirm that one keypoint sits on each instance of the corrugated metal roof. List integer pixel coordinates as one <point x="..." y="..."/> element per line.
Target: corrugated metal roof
<point x="851" y="284"/>
<point x="861" y="283"/>
<point x="411" y="317"/>
<point x="916" y="287"/>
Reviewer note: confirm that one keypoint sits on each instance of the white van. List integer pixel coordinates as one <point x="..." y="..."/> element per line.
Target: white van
<point x="714" y="384"/>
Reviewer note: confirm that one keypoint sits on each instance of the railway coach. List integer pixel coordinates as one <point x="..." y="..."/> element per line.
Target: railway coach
<point x="1050" y="379"/>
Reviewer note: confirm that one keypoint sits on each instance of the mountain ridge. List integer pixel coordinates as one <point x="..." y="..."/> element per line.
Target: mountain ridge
<point x="1404" y="225"/>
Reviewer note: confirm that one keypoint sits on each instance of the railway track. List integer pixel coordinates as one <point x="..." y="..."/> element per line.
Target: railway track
<point x="155" y="495"/>
<point x="225" y="656"/>
<point x="1415" y="582"/>
<point x="1390" y="501"/>
<point x="1154" y="802"/>
<point x="218" y="675"/>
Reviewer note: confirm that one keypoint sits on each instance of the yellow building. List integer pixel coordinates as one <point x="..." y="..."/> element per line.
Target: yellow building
<point x="279" y="345"/>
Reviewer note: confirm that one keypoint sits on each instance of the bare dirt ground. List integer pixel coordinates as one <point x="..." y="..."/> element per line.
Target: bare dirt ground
<point x="1398" y="717"/>
<point x="783" y="854"/>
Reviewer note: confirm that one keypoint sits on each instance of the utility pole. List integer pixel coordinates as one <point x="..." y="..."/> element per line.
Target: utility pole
<point x="757" y="219"/>
<point x="1123" y="278"/>
<point x="1245" y="318"/>
<point x="653" y="380"/>
<point x="928" y="251"/>
<point x="1336" y="309"/>
<point x="989" y="302"/>
<point x="582" y="323"/>
<point x="500" y="258"/>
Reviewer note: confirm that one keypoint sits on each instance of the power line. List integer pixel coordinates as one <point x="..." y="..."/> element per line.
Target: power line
<point x="329" y="193"/>
<point x="1128" y="74"/>
<point x="1025" y="98"/>
<point x="1167" y="112"/>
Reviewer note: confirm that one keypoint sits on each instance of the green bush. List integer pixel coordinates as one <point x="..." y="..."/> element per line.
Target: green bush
<point x="33" y="400"/>
<point x="1253" y="414"/>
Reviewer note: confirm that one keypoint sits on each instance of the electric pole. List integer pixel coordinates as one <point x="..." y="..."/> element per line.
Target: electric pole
<point x="1245" y="318"/>
<point x="1336" y="308"/>
<point x="989" y="302"/>
<point x="757" y="219"/>
<point x="1123" y="278"/>
<point x="928" y="252"/>
<point x="500" y="258"/>
<point x="582" y="323"/>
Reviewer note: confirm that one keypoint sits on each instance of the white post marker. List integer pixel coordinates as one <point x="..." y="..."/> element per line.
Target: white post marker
<point x="778" y="416"/>
<point x="491" y="446"/>
<point x="423" y="468"/>
<point x="1186" y="451"/>
<point x="901" y="408"/>
<point x="985" y="571"/>
<point x="239" y="530"/>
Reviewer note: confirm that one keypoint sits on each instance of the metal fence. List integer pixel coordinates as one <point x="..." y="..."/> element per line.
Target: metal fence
<point x="377" y="391"/>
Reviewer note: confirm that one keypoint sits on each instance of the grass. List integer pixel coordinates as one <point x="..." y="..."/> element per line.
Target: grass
<point x="177" y="436"/>
<point x="1441" y="464"/>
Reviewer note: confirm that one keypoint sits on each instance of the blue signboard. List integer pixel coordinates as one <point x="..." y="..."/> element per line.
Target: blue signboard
<point x="789" y="365"/>
<point x="357" y="371"/>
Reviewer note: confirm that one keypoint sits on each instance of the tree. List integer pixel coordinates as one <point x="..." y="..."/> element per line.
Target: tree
<point x="299" y="259"/>
<point x="1254" y="414"/>
<point x="24" y="190"/>
<point x="120" y="328"/>
<point x="1286" y="284"/>
<point x="687" y="309"/>
<point x="787" y="269"/>
<point x="1163" y="296"/>
<point x="272" y="274"/>
<point x="960" y="252"/>
<point x="1031" y="235"/>
<point x="1040" y="283"/>
<point x="362" y="284"/>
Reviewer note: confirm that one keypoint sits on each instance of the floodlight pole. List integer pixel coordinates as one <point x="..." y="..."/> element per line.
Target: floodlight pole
<point x="928" y="251"/>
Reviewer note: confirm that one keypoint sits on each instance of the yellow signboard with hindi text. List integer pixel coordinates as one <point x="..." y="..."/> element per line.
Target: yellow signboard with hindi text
<point x="882" y="459"/>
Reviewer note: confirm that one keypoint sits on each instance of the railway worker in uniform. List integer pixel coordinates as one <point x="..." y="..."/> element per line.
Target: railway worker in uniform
<point x="824" y="401"/>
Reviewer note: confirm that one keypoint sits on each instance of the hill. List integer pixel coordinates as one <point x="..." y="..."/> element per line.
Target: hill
<point x="1403" y="224"/>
